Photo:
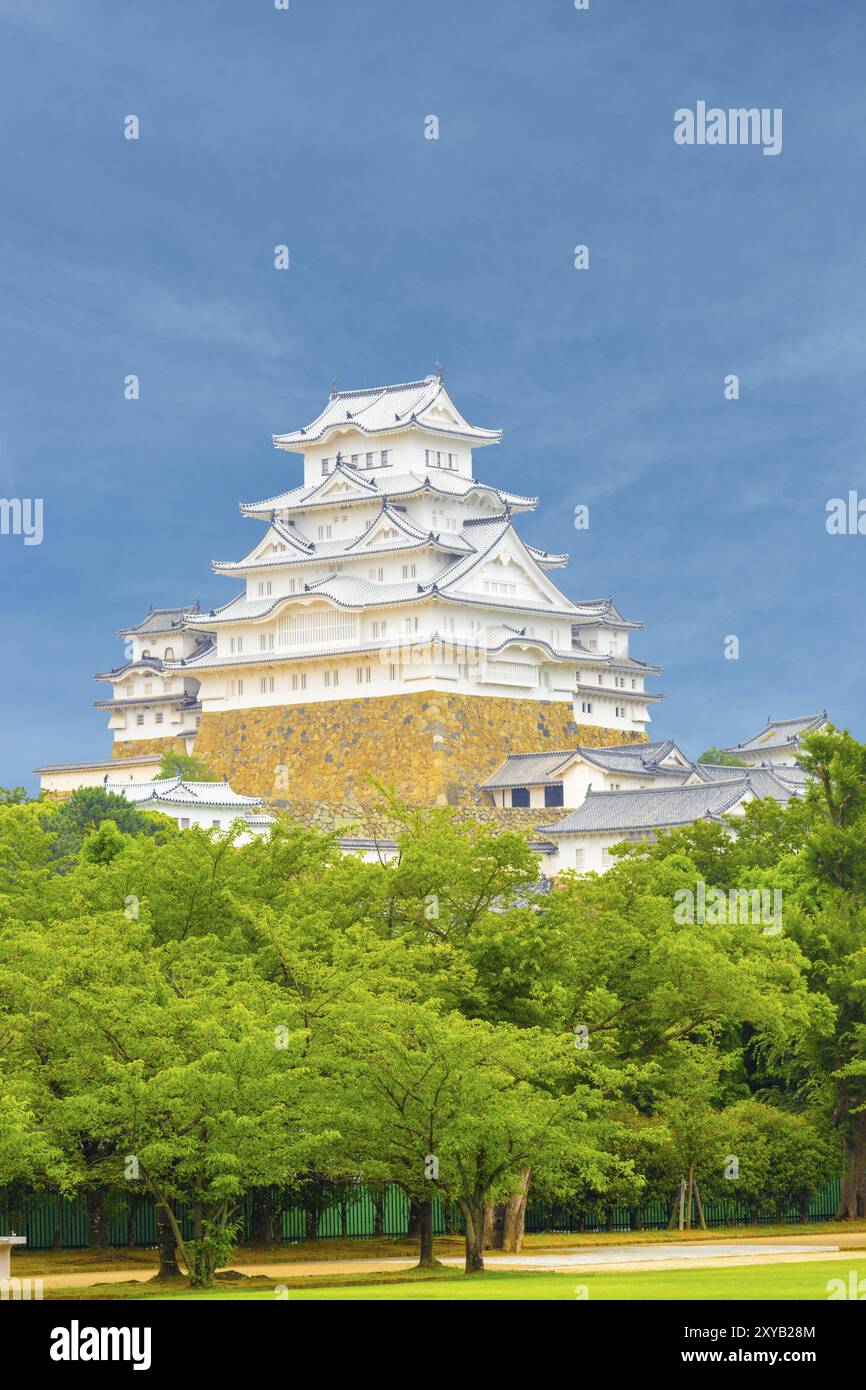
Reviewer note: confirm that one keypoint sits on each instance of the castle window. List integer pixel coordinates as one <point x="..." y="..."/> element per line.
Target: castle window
<point x="553" y="796"/>
<point x="620" y="711"/>
<point x="145" y="653"/>
<point x="362" y="675"/>
<point x="409" y="571"/>
<point x="392" y="672"/>
<point x="586" y="707"/>
<point x="215" y="824"/>
<point x="356" y="459"/>
<point x="266" y="641"/>
<point x="139" y="719"/>
<point x="324" y="533"/>
<point x="266" y="685"/>
<point x="299" y="680"/>
<point x="326" y="467"/>
<point x="148" y="687"/>
<point x="520" y="796"/>
<point x="159" y="718"/>
<point x="369" y="460"/>
<point x="169" y="654"/>
<point x="184" y="822"/>
<point x="452" y="460"/>
<point x="332" y="677"/>
<point x="384" y="457"/>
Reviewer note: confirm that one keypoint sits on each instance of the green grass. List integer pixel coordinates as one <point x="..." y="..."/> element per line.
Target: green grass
<point x="786" y="1282"/>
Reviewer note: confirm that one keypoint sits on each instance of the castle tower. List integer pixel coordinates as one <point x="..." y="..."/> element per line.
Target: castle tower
<point x="154" y="701"/>
<point x="392" y="621"/>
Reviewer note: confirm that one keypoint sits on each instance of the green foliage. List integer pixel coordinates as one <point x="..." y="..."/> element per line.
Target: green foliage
<point x="184" y="1016"/>
<point x="720" y="758"/>
<point x="86" y="810"/>
<point x="13" y="796"/>
<point x="184" y="765"/>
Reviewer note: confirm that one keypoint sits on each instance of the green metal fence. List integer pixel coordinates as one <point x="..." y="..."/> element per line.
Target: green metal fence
<point x="48" y="1220"/>
<point x="654" y="1216"/>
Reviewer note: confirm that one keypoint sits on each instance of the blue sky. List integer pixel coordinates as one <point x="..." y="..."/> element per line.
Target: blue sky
<point x="306" y="127"/>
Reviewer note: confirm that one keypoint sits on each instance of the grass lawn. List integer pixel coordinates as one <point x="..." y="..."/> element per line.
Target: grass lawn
<point x="805" y="1281"/>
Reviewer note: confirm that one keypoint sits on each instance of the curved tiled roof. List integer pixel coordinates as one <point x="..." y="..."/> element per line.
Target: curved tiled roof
<point x="384" y="409"/>
<point x="162" y="620"/>
<point x="544" y="769"/>
<point x="179" y="791"/>
<point x="397" y="485"/>
<point x="412" y="538"/>
<point x="780" y="734"/>
<point x="663" y="807"/>
<point x="210" y="660"/>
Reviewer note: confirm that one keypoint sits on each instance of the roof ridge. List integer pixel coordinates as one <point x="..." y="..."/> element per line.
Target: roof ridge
<point x="377" y="391"/>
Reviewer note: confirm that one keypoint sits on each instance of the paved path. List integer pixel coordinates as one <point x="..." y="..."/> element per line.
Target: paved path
<point x="694" y="1255"/>
<point x="642" y="1254"/>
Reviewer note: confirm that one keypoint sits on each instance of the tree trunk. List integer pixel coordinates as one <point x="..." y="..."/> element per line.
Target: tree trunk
<point x="690" y="1186"/>
<point x="514" y="1216"/>
<point x="313" y="1218"/>
<point x="699" y="1204"/>
<point x="413" y="1228"/>
<point x="97" y="1230"/>
<point x="804" y="1210"/>
<point x="635" y="1218"/>
<point x="168" y="1266"/>
<point x="132" y="1206"/>
<point x="852" y="1199"/>
<point x="448" y="1218"/>
<point x="473" y="1217"/>
<point x="344" y="1220"/>
<point x="262" y="1216"/>
<point x="497" y="1227"/>
<point x="487" y="1239"/>
<point x="426" y="1258"/>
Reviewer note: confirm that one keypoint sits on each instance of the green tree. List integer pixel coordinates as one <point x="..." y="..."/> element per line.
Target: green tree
<point x="85" y="810"/>
<point x="720" y="758"/>
<point x="184" y="765"/>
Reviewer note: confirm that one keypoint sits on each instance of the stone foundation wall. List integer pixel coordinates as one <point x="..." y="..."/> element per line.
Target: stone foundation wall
<point x="434" y="749"/>
<point x="135" y="746"/>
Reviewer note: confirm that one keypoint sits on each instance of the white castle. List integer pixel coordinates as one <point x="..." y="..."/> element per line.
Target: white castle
<point x="390" y="569"/>
<point x="391" y="603"/>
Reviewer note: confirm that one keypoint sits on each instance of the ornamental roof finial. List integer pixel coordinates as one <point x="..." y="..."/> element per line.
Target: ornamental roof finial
<point x="440" y="370"/>
<point x="333" y="389"/>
